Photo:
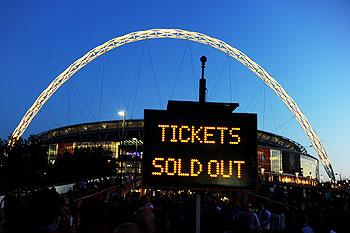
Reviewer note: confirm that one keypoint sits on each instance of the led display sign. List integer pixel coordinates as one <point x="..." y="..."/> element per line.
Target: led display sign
<point x="199" y="150"/>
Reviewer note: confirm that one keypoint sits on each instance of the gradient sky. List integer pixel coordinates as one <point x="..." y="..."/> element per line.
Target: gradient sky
<point x="304" y="45"/>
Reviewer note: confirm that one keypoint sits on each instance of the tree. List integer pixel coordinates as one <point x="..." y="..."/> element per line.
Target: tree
<point x="83" y="163"/>
<point x="24" y="165"/>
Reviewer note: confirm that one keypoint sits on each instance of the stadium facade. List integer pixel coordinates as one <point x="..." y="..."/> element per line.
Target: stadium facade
<point x="279" y="159"/>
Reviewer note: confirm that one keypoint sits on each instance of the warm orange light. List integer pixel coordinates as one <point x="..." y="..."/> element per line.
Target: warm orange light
<point x="173" y="139"/>
<point x="173" y="161"/>
<point x="207" y="134"/>
<point x="180" y="173"/>
<point x="222" y="135"/>
<point x="199" y="134"/>
<point x="181" y="134"/>
<point x="235" y="136"/>
<point x="200" y="167"/>
<point x="239" y="167"/>
<point x="223" y="169"/>
<point x="217" y="168"/>
<point x="157" y="166"/>
<point x="195" y="134"/>
<point x="163" y="131"/>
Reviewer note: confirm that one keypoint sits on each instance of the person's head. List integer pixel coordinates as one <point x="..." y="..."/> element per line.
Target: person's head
<point x="43" y="207"/>
<point x="306" y="220"/>
<point x="262" y="206"/>
<point x="249" y="205"/>
<point x="128" y="228"/>
<point x="144" y="217"/>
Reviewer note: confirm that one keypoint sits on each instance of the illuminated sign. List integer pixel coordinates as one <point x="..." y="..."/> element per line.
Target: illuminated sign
<point x="185" y="149"/>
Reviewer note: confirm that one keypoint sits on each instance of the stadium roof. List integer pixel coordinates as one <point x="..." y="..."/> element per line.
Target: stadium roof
<point x="112" y="131"/>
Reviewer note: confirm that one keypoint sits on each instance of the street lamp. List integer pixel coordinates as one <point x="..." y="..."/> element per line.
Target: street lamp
<point x="281" y="173"/>
<point x="122" y="114"/>
<point x="262" y="171"/>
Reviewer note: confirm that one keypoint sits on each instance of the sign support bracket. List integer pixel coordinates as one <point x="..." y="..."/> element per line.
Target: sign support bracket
<point x="198" y="212"/>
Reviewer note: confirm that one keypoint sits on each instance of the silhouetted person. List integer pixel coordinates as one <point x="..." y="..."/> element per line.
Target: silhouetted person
<point x="265" y="217"/>
<point x="43" y="212"/>
<point x="144" y="222"/>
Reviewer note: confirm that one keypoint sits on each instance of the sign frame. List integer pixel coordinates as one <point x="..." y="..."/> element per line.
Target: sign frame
<point x="205" y="151"/>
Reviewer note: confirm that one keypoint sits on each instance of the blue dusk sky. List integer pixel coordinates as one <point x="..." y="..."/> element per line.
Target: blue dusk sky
<point x="304" y="45"/>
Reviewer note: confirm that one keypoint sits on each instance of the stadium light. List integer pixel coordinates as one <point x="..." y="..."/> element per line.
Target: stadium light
<point x="121" y="113"/>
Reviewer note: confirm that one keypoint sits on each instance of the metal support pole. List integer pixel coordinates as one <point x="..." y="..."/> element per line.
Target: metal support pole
<point x="123" y="126"/>
<point x="120" y="156"/>
<point x="202" y="90"/>
<point x="198" y="212"/>
<point x="202" y="82"/>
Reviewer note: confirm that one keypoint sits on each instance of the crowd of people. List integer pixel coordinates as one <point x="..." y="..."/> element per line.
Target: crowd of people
<point x="115" y="206"/>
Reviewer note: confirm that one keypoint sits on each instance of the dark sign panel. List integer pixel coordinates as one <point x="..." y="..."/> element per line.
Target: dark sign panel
<point x="204" y="151"/>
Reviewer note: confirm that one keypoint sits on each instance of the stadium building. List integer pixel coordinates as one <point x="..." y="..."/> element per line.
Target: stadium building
<point x="279" y="159"/>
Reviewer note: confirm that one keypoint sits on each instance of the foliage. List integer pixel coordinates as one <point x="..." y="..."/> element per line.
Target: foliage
<point x="83" y="163"/>
<point x="26" y="165"/>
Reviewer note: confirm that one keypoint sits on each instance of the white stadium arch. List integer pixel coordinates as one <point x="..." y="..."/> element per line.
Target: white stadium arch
<point x="183" y="35"/>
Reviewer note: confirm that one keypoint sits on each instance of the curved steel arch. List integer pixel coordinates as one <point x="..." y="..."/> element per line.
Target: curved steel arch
<point x="184" y="35"/>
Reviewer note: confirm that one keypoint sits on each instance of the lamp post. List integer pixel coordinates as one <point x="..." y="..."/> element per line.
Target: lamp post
<point x="135" y="140"/>
<point x="135" y="159"/>
<point x="122" y="114"/>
